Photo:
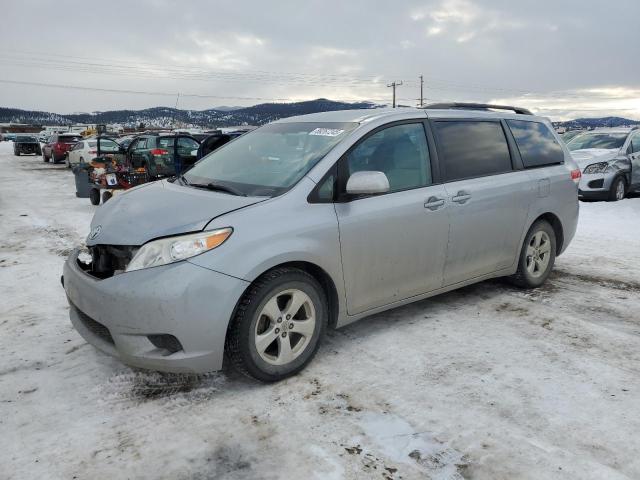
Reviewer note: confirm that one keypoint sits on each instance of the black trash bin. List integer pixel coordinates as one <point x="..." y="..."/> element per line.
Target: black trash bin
<point x="81" y="173"/>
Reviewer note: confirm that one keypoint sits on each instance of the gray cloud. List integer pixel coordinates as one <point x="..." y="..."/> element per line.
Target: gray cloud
<point x="563" y="59"/>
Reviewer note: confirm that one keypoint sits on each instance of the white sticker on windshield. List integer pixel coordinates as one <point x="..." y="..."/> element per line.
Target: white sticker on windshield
<point x="326" y="132"/>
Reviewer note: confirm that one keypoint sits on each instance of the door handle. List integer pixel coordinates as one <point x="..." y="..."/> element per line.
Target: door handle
<point x="461" y="197"/>
<point x="434" y="203"/>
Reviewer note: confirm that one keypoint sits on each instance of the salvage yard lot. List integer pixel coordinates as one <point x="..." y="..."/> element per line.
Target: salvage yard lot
<point x="487" y="382"/>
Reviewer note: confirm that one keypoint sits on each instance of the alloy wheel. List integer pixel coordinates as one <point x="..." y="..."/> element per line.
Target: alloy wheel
<point x="285" y="327"/>
<point x="538" y="254"/>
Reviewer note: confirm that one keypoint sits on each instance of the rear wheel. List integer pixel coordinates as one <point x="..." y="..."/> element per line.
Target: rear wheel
<point x="278" y="325"/>
<point x="106" y="195"/>
<point x="94" y="196"/>
<point x="537" y="256"/>
<point x="44" y="157"/>
<point x="618" y="189"/>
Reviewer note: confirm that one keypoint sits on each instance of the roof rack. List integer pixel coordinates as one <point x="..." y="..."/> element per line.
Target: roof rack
<point x="477" y="106"/>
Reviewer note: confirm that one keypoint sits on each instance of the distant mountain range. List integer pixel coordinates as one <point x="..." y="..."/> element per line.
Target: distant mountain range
<point x="226" y="116"/>
<point x="168" y="117"/>
<point x="589" y="123"/>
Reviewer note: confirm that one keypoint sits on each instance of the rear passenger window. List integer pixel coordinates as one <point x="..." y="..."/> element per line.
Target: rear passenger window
<point x="472" y="148"/>
<point x="400" y="152"/>
<point x="536" y="143"/>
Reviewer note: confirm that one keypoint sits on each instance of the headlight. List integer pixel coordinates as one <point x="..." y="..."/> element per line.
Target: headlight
<point x="596" y="167"/>
<point x="174" y="249"/>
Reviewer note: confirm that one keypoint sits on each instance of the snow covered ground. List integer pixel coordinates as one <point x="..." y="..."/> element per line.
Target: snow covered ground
<point x="487" y="382"/>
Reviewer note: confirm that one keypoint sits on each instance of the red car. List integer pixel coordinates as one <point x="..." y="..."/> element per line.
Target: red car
<point x="58" y="145"/>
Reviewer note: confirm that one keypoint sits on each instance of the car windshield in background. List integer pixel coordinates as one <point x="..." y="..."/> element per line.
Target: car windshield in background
<point x="597" y="140"/>
<point x="26" y="139"/>
<point x="271" y="159"/>
<point x="69" y="138"/>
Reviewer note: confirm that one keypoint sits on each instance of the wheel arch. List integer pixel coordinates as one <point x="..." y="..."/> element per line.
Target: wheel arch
<point x="556" y="224"/>
<point x="320" y="275"/>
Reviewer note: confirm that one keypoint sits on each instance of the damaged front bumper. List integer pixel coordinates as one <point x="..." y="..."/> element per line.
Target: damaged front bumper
<point x="171" y="318"/>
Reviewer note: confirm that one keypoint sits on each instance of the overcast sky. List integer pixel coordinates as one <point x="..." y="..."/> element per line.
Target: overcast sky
<point x="564" y="59"/>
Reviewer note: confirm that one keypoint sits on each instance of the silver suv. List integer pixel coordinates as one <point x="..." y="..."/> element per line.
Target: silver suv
<point x="314" y="222"/>
<point x="610" y="162"/>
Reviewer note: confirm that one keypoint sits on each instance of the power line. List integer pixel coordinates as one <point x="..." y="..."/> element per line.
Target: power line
<point x="184" y="72"/>
<point x="137" y="92"/>
<point x="172" y="94"/>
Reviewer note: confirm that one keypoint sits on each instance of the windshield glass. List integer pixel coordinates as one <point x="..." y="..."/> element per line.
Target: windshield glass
<point x="26" y="138"/>
<point x="597" y="140"/>
<point x="271" y="159"/>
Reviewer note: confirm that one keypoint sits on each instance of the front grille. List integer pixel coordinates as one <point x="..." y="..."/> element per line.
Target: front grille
<point x="94" y="327"/>
<point x="108" y="260"/>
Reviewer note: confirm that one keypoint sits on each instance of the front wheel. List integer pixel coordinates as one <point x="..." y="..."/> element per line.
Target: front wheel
<point x="618" y="189"/>
<point x="537" y="256"/>
<point x="106" y="195"/>
<point x="278" y="325"/>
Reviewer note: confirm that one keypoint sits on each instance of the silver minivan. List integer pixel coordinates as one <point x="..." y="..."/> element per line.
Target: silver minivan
<point x="314" y="222"/>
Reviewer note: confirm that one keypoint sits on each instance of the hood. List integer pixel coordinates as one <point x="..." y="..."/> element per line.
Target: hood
<point x="159" y="209"/>
<point x="593" y="155"/>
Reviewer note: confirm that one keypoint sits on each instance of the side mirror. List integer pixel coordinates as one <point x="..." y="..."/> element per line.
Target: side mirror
<point x="367" y="183"/>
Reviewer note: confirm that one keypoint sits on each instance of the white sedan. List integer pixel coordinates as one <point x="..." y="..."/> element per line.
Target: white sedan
<point x="86" y="150"/>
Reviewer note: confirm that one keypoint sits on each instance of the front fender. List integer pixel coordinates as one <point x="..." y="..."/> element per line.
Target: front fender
<point x="280" y="230"/>
<point x="621" y="166"/>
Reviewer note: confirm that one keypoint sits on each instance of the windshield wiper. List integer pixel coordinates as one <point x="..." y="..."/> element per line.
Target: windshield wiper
<point x="219" y="187"/>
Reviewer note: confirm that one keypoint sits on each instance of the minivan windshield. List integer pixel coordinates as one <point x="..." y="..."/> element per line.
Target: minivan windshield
<point x="269" y="160"/>
<point x="597" y="140"/>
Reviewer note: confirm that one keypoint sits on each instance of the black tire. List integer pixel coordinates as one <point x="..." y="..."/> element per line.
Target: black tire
<point x="44" y="157"/>
<point x="523" y="278"/>
<point x="240" y="342"/>
<point x="613" y="191"/>
<point x="94" y="196"/>
<point x="106" y="195"/>
<point x="16" y="153"/>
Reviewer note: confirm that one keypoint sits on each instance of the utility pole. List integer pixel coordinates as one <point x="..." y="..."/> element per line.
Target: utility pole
<point x="421" y="94"/>
<point x="173" y="120"/>
<point x="393" y="85"/>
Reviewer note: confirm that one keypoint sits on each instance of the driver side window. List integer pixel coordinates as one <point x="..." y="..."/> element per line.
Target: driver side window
<point x="400" y="152"/>
<point x="635" y="142"/>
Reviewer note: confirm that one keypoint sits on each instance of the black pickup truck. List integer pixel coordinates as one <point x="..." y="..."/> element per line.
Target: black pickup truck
<point x="25" y="144"/>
